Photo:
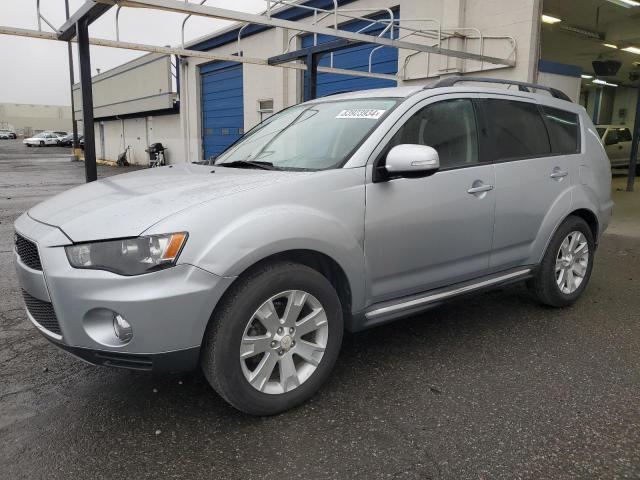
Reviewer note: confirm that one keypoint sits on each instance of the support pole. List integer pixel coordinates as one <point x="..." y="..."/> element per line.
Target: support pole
<point x="311" y="76"/>
<point x="74" y="124"/>
<point x="84" y="60"/>
<point x="633" y="159"/>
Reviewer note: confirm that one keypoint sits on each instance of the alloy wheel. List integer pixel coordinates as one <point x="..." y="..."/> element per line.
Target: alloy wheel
<point x="572" y="261"/>
<point x="284" y="342"/>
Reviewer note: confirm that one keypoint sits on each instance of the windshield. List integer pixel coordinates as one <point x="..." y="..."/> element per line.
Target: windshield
<point x="601" y="131"/>
<point x="309" y="137"/>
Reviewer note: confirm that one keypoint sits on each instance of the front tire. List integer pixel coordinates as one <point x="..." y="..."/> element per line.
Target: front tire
<point x="273" y="339"/>
<point x="567" y="264"/>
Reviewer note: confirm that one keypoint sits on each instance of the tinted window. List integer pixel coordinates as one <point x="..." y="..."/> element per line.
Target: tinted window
<point x="516" y="130"/>
<point x="563" y="130"/>
<point x="449" y="127"/>
<point x="611" y="137"/>
<point x="624" y="135"/>
<point x="601" y="131"/>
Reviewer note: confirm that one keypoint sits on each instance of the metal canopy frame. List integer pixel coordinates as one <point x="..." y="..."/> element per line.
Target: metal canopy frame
<point x="76" y="27"/>
<point x="311" y="56"/>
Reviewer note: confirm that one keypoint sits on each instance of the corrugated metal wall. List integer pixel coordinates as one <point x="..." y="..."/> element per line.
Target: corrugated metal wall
<point x="222" y="106"/>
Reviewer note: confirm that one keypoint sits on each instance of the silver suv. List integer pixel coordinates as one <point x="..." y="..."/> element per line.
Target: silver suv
<point x="341" y="213"/>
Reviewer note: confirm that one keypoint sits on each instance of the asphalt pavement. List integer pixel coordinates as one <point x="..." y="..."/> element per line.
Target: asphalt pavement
<point x="495" y="386"/>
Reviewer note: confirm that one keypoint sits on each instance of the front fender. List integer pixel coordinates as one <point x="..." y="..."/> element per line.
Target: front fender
<point x="323" y="212"/>
<point x="269" y="231"/>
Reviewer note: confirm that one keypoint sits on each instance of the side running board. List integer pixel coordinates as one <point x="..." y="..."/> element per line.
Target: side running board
<point x="381" y="312"/>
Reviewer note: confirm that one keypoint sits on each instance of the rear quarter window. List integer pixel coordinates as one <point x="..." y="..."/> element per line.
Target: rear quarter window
<point x="564" y="130"/>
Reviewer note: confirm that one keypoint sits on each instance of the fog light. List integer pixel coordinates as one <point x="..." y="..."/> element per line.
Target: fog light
<point x="123" y="330"/>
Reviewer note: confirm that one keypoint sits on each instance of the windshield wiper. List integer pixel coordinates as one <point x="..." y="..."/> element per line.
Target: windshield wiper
<point x="248" y="164"/>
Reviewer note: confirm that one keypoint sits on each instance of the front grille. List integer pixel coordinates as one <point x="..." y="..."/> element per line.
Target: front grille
<point x="28" y="252"/>
<point x="42" y="312"/>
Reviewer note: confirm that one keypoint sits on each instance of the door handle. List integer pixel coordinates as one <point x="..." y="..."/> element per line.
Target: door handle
<point x="558" y="174"/>
<point x="480" y="189"/>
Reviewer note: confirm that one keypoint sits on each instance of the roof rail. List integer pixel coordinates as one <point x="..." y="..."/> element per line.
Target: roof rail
<point x="522" y="86"/>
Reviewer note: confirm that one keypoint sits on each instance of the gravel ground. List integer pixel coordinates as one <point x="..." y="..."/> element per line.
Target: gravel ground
<point x="495" y="386"/>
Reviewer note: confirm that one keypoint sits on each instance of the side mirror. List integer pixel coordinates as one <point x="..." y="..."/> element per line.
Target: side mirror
<point x="412" y="161"/>
<point x="611" y="140"/>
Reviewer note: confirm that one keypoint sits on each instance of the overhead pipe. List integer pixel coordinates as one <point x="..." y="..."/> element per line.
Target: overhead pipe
<point x="239" y="35"/>
<point x="202" y="2"/>
<point x="117" y="26"/>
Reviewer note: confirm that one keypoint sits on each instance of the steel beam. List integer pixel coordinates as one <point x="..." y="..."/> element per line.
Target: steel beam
<point x="21" y="32"/>
<point x="86" y="86"/>
<point x="327" y="47"/>
<point x="311" y="77"/>
<point x="226" y="14"/>
<point x="89" y="12"/>
<point x="74" y="123"/>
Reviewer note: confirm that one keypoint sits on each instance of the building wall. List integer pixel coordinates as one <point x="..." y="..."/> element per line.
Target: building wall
<point x="612" y="102"/>
<point x="28" y="119"/>
<point x="624" y="106"/>
<point x="516" y="18"/>
<point x="259" y="82"/>
<point x="566" y="84"/>
<point x="138" y="134"/>
<point x="141" y="85"/>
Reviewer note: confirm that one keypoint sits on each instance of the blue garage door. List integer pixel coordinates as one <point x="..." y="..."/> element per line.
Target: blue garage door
<point x="385" y="60"/>
<point x="222" y="107"/>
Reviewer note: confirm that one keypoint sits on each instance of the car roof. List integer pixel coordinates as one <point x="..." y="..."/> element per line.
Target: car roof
<point x="407" y="91"/>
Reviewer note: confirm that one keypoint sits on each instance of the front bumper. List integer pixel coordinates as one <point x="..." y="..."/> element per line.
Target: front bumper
<point x="168" y="310"/>
<point x="170" y="362"/>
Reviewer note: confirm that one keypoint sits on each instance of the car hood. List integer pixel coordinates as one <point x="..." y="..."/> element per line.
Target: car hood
<point x="126" y="205"/>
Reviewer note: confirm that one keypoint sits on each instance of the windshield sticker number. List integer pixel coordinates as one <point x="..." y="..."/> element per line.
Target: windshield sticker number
<point x="370" y="113"/>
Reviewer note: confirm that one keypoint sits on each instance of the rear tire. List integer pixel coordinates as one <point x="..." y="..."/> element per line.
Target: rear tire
<point x="566" y="266"/>
<point x="264" y="358"/>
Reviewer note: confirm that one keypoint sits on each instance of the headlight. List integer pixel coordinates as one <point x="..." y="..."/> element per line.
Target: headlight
<point x="129" y="256"/>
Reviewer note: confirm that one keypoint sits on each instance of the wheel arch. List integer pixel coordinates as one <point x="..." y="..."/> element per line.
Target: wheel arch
<point x="323" y="264"/>
<point x="590" y="217"/>
<point x="319" y="261"/>
<point x="586" y="214"/>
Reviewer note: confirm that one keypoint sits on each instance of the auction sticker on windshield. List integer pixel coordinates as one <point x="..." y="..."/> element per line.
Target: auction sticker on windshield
<point x="370" y="113"/>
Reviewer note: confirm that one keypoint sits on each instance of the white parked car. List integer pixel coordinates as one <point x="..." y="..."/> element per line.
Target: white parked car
<point x="9" y="134"/>
<point x="42" y="139"/>
<point x="617" y="141"/>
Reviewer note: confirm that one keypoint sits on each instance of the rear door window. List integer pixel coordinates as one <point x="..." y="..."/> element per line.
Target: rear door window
<point x="516" y="130"/>
<point x="564" y="131"/>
